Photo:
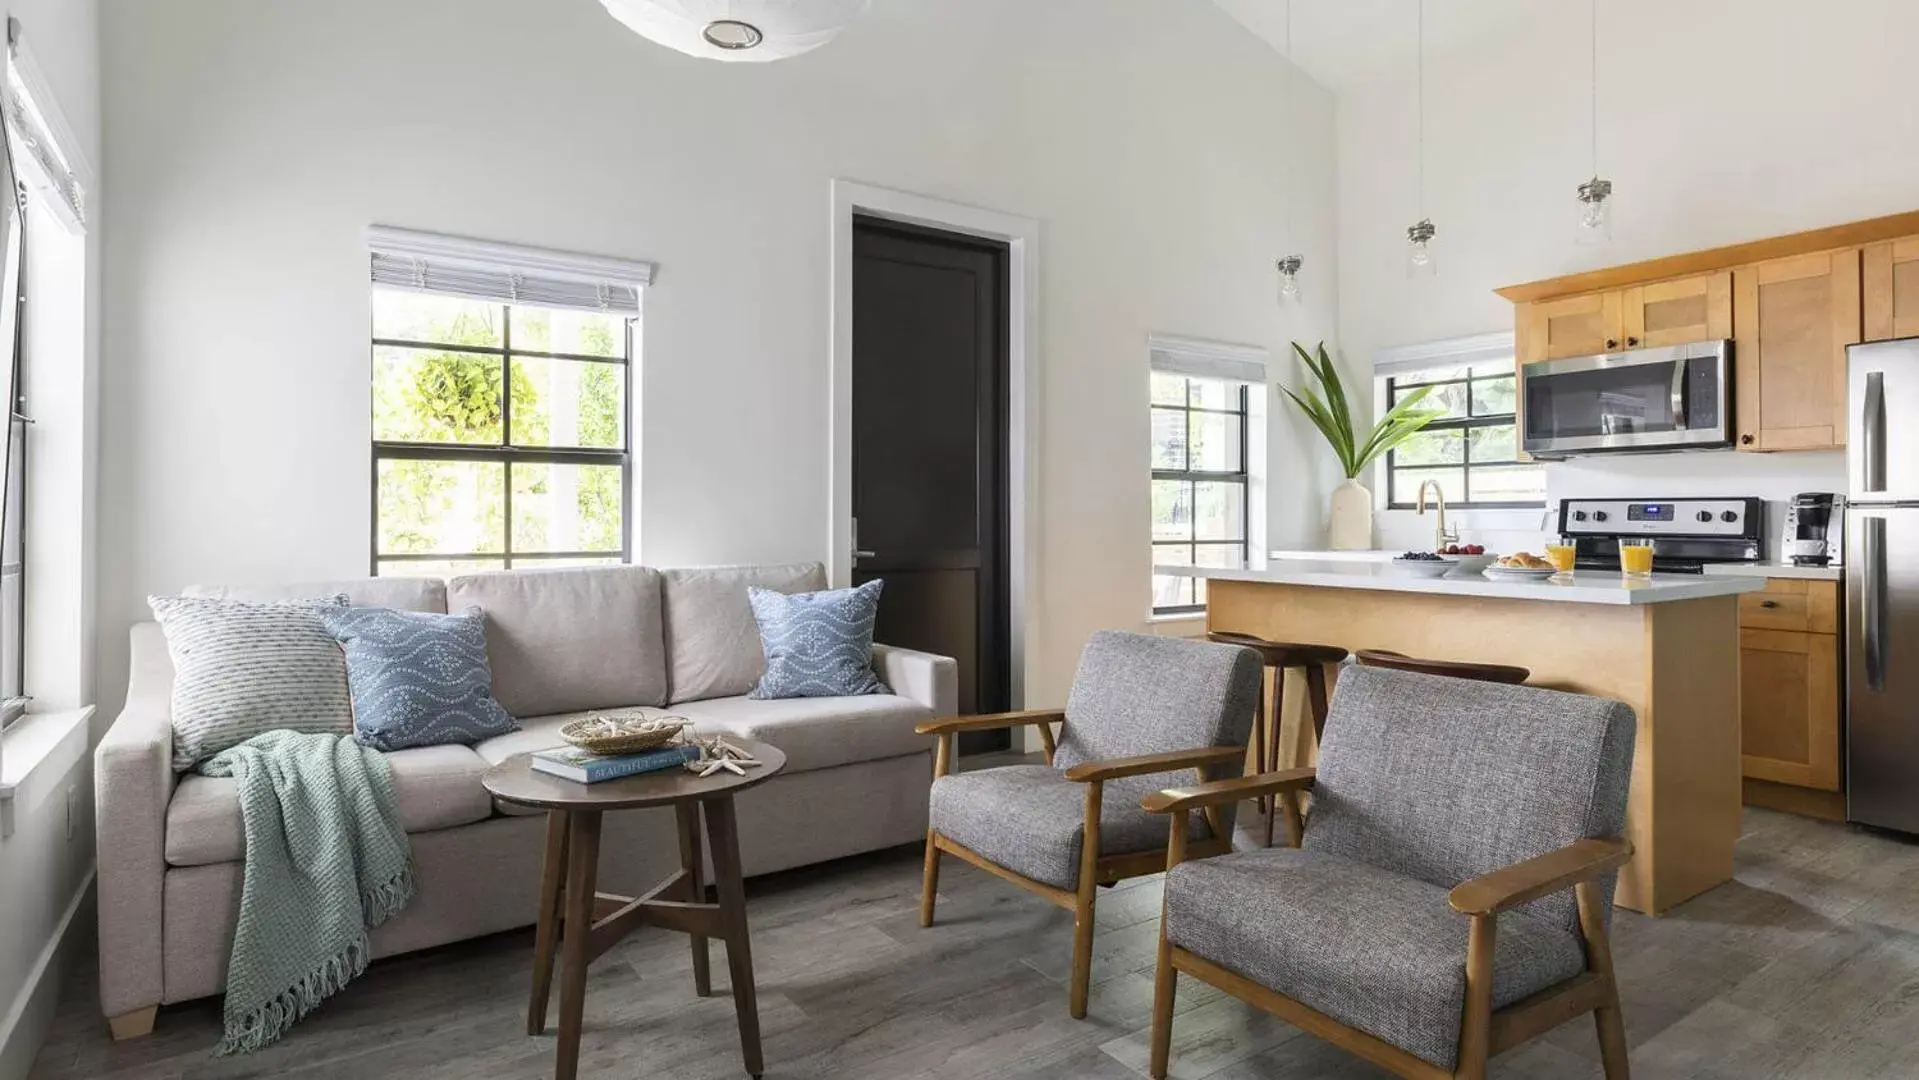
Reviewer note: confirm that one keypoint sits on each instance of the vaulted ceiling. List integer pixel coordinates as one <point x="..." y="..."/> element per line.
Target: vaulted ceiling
<point x="1346" y="43"/>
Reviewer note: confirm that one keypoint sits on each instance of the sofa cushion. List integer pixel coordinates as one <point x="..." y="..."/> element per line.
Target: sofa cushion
<point x="564" y="640"/>
<point x="817" y="733"/>
<point x="536" y="733"/>
<point x="437" y="787"/>
<point x="1375" y="949"/>
<point x="400" y="593"/>
<point x="712" y="642"/>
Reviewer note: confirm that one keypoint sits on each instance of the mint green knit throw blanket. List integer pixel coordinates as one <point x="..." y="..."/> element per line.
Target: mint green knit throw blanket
<point x="326" y="861"/>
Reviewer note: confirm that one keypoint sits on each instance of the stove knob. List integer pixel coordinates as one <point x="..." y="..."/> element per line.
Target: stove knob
<point x="1729" y="516"/>
<point x="1599" y="515"/>
<point x="1705" y="515"/>
<point x="1579" y="515"/>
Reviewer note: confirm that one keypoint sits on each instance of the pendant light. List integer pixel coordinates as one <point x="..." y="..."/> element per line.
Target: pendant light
<point x="738" y="30"/>
<point x="1420" y="261"/>
<point x="1595" y="195"/>
<point x="1288" y="265"/>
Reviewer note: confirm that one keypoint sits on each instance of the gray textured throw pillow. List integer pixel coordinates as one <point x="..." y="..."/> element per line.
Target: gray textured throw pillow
<point x="240" y="669"/>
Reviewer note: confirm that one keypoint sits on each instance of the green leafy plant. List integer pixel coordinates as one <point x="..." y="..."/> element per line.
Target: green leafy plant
<point x="1326" y="407"/>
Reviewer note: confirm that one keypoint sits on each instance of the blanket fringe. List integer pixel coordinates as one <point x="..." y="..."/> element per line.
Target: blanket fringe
<point x="262" y="1027"/>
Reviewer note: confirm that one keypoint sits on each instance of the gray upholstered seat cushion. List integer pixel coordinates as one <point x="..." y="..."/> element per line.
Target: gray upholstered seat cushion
<point x="1377" y="950"/>
<point x="1447" y="779"/>
<point x="1030" y="819"/>
<point x="712" y="641"/>
<point x="578" y="638"/>
<point x="437" y="787"/>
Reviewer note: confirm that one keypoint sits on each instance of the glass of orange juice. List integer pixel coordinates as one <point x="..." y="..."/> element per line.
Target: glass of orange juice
<point x="1635" y="557"/>
<point x="1561" y="556"/>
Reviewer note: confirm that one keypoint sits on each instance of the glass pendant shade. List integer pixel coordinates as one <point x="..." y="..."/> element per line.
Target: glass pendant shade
<point x="1595" y="212"/>
<point x="1289" y="278"/>
<point x="1420" y="260"/>
<point x="738" y="30"/>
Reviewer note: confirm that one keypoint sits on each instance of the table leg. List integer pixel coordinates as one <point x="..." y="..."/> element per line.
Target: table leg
<point x="689" y="818"/>
<point x="552" y="888"/>
<point x="723" y="828"/>
<point x="582" y="873"/>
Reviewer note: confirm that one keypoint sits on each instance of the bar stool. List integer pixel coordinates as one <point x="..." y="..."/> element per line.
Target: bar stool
<point x="1280" y="655"/>
<point x="1453" y="669"/>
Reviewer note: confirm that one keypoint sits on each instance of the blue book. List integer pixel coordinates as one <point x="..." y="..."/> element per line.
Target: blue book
<point x="586" y="767"/>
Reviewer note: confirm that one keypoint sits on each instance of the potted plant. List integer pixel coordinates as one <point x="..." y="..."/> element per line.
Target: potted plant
<point x="1350" y="518"/>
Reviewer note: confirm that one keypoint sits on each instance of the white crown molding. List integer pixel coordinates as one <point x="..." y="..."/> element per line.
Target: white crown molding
<point x="544" y="262"/>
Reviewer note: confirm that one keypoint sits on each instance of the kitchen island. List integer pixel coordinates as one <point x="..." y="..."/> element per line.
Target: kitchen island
<point x="1667" y="645"/>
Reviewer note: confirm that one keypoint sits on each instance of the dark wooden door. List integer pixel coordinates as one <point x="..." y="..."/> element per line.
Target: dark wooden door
<point x="930" y="340"/>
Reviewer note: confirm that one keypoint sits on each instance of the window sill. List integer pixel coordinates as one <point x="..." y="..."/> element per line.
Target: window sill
<point x="40" y="745"/>
<point x="1181" y="624"/>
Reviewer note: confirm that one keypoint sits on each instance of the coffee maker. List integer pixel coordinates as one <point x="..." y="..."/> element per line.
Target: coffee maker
<point x="1814" y="522"/>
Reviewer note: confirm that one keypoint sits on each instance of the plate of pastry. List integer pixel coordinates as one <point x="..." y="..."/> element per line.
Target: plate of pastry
<point x="1519" y="566"/>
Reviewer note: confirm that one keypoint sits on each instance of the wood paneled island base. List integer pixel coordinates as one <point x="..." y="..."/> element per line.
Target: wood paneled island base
<point x="1675" y="662"/>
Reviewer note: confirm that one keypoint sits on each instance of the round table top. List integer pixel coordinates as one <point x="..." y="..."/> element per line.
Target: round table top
<point x="515" y="781"/>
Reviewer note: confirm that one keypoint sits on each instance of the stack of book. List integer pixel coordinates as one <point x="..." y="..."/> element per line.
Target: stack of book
<point x="586" y="767"/>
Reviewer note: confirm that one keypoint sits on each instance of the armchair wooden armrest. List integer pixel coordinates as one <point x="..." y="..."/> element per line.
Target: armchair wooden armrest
<point x="1221" y="792"/>
<point x="990" y="721"/>
<point x="1524" y="882"/>
<point x="1114" y="768"/>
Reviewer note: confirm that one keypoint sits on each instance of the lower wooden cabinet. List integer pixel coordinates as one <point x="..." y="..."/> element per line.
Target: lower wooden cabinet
<point x="1789" y="684"/>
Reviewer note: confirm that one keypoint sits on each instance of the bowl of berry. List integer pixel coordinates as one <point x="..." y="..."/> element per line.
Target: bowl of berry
<point x="1421" y="564"/>
<point x="1466" y="558"/>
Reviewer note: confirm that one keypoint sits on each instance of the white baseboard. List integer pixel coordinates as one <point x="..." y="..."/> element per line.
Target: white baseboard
<point x="26" y="1023"/>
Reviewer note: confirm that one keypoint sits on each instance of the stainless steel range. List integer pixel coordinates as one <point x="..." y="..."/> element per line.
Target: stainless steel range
<point x="1687" y="533"/>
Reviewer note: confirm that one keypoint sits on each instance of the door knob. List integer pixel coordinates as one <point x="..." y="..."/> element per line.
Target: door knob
<point x="864" y="554"/>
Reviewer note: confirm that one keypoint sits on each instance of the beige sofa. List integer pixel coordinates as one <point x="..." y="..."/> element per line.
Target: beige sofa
<point x="559" y="642"/>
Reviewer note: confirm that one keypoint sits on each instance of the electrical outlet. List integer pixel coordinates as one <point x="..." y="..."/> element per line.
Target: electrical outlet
<point x="73" y="800"/>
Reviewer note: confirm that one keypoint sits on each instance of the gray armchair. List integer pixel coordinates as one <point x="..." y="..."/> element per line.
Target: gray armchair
<point x="1144" y="712"/>
<point x="1450" y="894"/>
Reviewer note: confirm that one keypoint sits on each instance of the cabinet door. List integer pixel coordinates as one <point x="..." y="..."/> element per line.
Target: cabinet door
<point x="1572" y="326"/>
<point x="1792" y="321"/>
<point x="1789" y="707"/>
<point x="1678" y="312"/>
<point x="1892" y="289"/>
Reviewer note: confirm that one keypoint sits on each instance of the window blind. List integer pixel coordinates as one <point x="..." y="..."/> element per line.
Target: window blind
<point x="1199" y="358"/>
<point x="1399" y="361"/>
<point x="505" y="273"/>
<point x="40" y="153"/>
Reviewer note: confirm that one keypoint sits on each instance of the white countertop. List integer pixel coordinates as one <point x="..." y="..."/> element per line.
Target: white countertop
<point x="1585" y="587"/>
<point x="1775" y="570"/>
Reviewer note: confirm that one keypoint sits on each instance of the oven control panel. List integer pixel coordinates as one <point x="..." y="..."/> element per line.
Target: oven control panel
<point x="1730" y="519"/>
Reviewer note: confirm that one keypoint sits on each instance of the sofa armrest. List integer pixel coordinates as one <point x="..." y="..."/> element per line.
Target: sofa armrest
<point x="132" y="784"/>
<point x="927" y="678"/>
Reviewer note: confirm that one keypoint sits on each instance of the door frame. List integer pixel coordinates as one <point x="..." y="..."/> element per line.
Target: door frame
<point x="1021" y="236"/>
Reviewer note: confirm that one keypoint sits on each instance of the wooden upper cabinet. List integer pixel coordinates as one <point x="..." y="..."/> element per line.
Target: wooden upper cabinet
<point x="1678" y="312"/>
<point x="1573" y="326"/>
<point x="1792" y="321"/>
<point x="1892" y="289"/>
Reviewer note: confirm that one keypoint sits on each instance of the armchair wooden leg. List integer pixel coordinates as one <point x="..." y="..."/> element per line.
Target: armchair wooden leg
<point x="1083" y="905"/>
<point x="1165" y="979"/>
<point x="929" y="881"/>
<point x="1607" y="1018"/>
<point x="132" y="1025"/>
<point x="1475" y="1033"/>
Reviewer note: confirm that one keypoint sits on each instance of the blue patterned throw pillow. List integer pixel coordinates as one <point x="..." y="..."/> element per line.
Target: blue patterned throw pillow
<point x="417" y="678"/>
<point x="817" y="644"/>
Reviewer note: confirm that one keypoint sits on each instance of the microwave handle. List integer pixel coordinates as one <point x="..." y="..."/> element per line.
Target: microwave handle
<point x="1679" y="394"/>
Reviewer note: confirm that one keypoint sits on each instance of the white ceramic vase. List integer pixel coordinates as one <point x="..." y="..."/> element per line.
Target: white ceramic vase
<point x="1349" y="522"/>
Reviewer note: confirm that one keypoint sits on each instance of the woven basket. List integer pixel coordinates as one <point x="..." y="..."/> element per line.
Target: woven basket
<point x="621" y="733"/>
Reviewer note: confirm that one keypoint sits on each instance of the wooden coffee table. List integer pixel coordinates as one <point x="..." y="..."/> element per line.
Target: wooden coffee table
<point x="595" y="921"/>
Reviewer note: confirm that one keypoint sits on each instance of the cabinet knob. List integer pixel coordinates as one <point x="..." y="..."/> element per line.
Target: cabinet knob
<point x="1631" y="342"/>
<point x="1612" y="343"/>
<point x="1768" y="603"/>
<point x="1745" y="440"/>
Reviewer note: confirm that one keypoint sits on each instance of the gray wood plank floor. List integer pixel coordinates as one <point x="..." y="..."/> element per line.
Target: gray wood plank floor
<point x="1806" y="966"/>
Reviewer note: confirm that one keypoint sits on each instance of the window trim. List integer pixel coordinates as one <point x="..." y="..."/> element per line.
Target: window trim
<point x="507" y="454"/>
<point x="1243" y="477"/>
<point x="1465" y="424"/>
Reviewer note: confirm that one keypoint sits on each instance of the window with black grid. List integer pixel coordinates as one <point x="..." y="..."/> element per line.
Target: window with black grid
<point x="1471" y="449"/>
<point x="1200" y="483"/>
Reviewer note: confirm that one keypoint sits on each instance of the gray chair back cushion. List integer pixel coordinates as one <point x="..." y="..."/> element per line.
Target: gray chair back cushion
<point x="1446" y="779"/>
<point x="1138" y="694"/>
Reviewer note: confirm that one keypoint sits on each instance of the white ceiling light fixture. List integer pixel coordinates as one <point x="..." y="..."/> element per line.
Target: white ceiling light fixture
<point x="738" y="30"/>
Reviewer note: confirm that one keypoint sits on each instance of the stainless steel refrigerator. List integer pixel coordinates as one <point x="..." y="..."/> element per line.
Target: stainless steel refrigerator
<point x="1882" y="585"/>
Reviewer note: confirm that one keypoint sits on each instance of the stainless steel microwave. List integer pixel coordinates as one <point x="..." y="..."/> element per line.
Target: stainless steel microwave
<point x="1674" y="398"/>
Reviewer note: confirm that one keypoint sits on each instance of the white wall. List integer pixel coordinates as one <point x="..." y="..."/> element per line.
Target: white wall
<point x="47" y="862"/>
<point x="252" y="143"/>
<point x="1720" y="121"/>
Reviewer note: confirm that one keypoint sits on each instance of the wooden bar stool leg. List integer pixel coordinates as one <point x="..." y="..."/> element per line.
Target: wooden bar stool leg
<point x="582" y="874"/>
<point x="1316" y="700"/>
<point x="723" y="827"/>
<point x="1272" y="735"/>
<point x="1261" y="721"/>
<point x="689" y="822"/>
<point x="547" y="935"/>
